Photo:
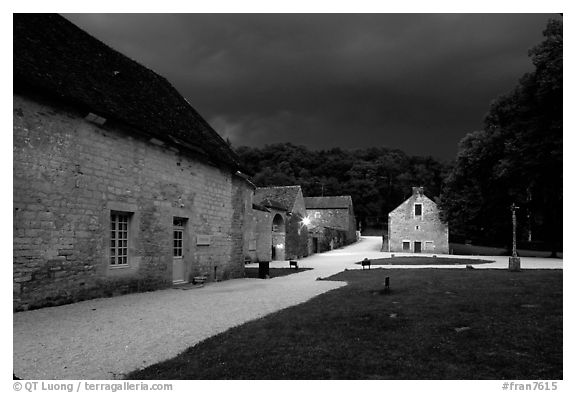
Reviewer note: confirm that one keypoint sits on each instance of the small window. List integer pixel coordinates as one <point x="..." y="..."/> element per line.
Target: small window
<point x="418" y="210"/>
<point x="317" y="215"/>
<point x="405" y="246"/>
<point x="417" y="227"/>
<point x="119" y="238"/>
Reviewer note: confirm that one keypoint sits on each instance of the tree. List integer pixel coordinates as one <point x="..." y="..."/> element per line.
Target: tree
<point x="377" y="178"/>
<point x="517" y="157"/>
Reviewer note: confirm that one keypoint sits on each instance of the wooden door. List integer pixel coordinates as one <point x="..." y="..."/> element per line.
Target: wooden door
<point x="417" y="247"/>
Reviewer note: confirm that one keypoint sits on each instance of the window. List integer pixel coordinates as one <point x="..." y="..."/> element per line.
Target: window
<point x="316" y="214"/>
<point x="119" y="238"/>
<point x="418" y="210"/>
<point x="406" y="246"/>
<point x="417" y="227"/>
<point x="178" y="230"/>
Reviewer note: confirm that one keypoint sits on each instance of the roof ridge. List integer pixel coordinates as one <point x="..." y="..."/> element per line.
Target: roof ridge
<point x="280" y="186"/>
<point x="330" y="196"/>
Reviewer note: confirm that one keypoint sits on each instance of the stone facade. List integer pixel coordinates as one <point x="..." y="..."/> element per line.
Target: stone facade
<point x="323" y="239"/>
<point x="296" y="231"/>
<point x="70" y="176"/>
<point x="119" y="185"/>
<point x="333" y="212"/>
<point x="263" y="235"/>
<point x="290" y="239"/>
<point x="415" y="226"/>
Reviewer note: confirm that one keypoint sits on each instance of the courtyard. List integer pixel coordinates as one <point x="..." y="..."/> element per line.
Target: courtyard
<point x="111" y="337"/>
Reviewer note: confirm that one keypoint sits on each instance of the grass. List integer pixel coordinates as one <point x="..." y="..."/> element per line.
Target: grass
<point x="470" y="249"/>
<point x="514" y="323"/>
<point x="252" y="272"/>
<point x="425" y="261"/>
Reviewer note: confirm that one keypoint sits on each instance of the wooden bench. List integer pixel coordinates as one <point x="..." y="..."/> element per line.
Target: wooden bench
<point x="295" y="264"/>
<point x="366" y="262"/>
<point x="199" y="279"/>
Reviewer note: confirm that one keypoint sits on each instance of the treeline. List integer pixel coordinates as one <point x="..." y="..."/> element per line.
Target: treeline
<point x="378" y="179"/>
<point x="516" y="158"/>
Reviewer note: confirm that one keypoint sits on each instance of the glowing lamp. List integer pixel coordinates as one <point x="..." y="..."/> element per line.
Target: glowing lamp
<point x="306" y="220"/>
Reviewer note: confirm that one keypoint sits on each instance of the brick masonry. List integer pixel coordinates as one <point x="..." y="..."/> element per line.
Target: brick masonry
<point x="69" y="174"/>
<point x="404" y="225"/>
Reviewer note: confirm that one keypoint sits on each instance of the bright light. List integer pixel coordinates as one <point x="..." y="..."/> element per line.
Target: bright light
<point x="306" y="220"/>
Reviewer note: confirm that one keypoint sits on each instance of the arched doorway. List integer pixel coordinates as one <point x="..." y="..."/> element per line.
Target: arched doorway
<point x="278" y="237"/>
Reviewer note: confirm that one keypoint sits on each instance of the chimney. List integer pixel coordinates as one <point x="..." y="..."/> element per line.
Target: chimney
<point x="418" y="191"/>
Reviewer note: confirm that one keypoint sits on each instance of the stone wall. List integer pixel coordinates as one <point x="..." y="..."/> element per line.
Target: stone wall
<point x="296" y="238"/>
<point x="70" y="174"/>
<point x="328" y="239"/>
<point x="342" y="219"/>
<point x="296" y="232"/>
<point x="428" y="229"/>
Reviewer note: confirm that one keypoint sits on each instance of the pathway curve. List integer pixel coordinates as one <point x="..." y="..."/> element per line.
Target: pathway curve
<point x="107" y="338"/>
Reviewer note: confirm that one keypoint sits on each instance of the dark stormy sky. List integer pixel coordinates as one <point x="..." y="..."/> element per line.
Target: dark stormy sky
<point x="417" y="82"/>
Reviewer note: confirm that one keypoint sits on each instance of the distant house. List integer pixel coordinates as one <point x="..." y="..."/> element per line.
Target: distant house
<point x="415" y="226"/>
<point x="334" y="212"/>
<point x="119" y="185"/>
<point x="288" y="231"/>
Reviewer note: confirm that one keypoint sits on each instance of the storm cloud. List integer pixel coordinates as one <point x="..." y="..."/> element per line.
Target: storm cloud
<point x="417" y="82"/>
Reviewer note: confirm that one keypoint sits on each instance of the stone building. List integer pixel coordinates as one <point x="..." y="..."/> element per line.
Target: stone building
<point x="415" y="226"/>
<point x="266" y="234"/>
<point x="119" y="185"/>
<point x="284" y="224"/>
<point x="335" y="212"/>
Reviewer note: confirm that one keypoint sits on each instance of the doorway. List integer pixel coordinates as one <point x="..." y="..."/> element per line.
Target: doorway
<point x="417" y="247"/>
<point x="278" y="238"/>
<point x="315" y="245"/>
<point x="178" y="250"/>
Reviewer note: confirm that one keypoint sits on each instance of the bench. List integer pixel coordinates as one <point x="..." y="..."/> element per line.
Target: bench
<point x="366" y="262"/>
<point x="199" y="279"/>
<point x="295" y="264"/>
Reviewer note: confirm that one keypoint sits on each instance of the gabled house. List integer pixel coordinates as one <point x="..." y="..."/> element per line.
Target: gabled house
<point x="335" y="212"/>
<point x="119" y="185"/>
<point x="289" y="234"/>
<point x="266" y="234"/>
<point x="415" y="226"/>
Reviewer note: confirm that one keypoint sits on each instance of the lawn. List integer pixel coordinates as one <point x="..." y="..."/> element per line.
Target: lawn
<point x="470" y="249"/>
<point x="434" y="324"/>
<point x="252" y="272"/>
<point x="425" y="261"/>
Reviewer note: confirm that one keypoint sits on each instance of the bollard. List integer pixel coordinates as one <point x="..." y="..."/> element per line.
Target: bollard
<point x="514" y="264"/>
<point x="387" y="285"/>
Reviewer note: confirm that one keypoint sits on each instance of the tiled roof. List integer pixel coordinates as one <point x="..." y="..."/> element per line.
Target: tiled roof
<point x="54" y="58"/>
<point x="280" y="197"/>
<point x="328" y="202"/>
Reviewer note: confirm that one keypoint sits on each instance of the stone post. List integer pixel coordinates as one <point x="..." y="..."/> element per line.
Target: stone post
<point x="514" y="260"/>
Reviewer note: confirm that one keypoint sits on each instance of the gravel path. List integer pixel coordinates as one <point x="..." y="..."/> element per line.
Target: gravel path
<point x="107" y="338"/>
